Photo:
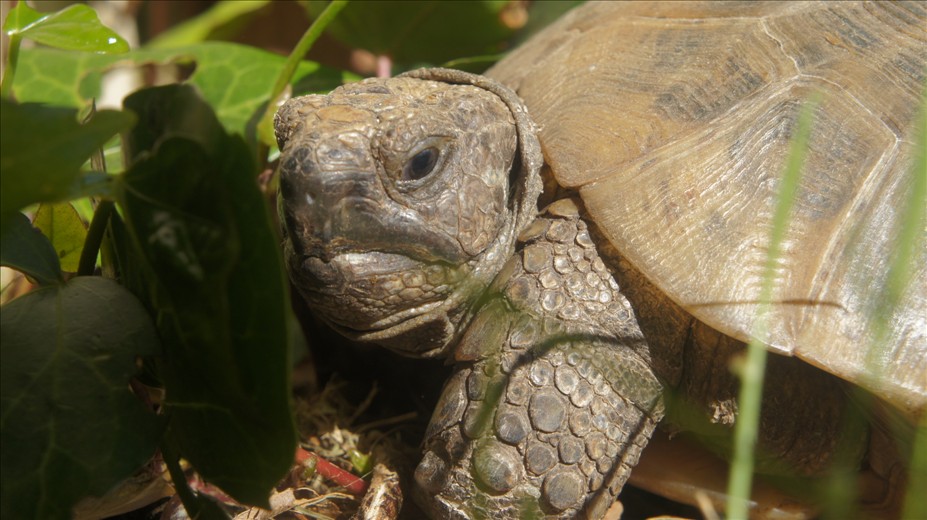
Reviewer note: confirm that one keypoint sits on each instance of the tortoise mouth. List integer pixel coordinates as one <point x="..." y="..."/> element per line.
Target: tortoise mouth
<point x="396" y="320"/>
<point x="360" y="293"/>
<point x="353" y="265"/>
<point x="359" y="251"/>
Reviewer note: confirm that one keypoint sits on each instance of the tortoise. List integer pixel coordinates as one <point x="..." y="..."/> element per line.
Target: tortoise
<point x="655" y="135"/>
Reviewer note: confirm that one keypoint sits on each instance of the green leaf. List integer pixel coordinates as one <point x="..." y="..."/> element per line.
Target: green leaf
<point x="75" y="28"/>
<point x="215" y="278"/>
<point x="67" y="232"/>
<point x="235" y="79"/>
<point x="19" y="18"/>
<point x="42" y="149"/>
<point x="70" y="427"/>
<point x="26" y="249"/>
<point x="361" y="462"/>
<point x="61" y="78"/>
<point x="416" y="32"/>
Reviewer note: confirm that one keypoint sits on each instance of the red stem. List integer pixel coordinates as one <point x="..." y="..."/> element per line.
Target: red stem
<point x="349" y="481"/>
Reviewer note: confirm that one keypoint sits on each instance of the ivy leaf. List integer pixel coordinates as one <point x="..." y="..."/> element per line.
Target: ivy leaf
<point x="215" y="278"/>
<point x="42" y="149"/>
<point x="66" y="231"/>
<point x="69" y="425"/>
<point x="75" y="28"/>
<point x="235" y="79"/>
<point x="26" y="249"/>
<point x="19" y="18"/>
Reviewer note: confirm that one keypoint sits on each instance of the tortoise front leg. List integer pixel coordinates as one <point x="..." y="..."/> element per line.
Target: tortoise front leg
<point x="554" y="396"/>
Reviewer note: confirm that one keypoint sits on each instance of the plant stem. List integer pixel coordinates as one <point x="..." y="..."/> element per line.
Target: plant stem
<point x="302" y="48"/>
<point x="6" y="86"/>
<point x="289" y="68"/>
<point x="88" y="255"/>
<point x="349" y="481"/>
<point x="200" y="508"/>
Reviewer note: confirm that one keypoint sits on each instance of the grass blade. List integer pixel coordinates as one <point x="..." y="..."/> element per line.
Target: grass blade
<point x="752" y="370"/>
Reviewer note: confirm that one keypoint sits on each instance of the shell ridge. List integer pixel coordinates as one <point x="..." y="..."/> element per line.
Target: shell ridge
<point x="767" y="30"/>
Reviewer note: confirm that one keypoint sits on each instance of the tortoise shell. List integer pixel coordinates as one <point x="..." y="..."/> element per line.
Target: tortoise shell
<point x="673" y="122"/>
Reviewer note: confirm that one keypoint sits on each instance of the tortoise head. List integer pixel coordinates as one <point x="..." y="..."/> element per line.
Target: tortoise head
<point x="400" y="200"/>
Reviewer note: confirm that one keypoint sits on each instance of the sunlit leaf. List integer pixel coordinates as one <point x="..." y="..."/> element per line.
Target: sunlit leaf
<point x="43" y="149"/>
<point x="67" y="232"/>
<point x="75" y="28"/>
<point x="235" y="79"/>
<point x="19" y="18"/>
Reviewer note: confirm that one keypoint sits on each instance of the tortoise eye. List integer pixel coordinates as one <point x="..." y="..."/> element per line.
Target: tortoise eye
<point x="420" y="165"/>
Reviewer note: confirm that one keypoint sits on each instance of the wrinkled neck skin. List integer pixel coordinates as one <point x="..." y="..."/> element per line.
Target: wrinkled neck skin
<point x="400" y="201"/>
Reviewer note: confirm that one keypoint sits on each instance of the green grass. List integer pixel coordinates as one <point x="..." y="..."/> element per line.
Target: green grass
<point x="914" y="221"/>
<point x="841" y="486"/>
<point x="752" y="370"/>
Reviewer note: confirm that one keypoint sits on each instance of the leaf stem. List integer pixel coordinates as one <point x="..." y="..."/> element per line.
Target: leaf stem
<point x="6" y="86"/>
<point x="171" y="457"/>
<point x="292" y="62"/>
<point x="88" y="255"/>
<point x="302" y="48"/>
